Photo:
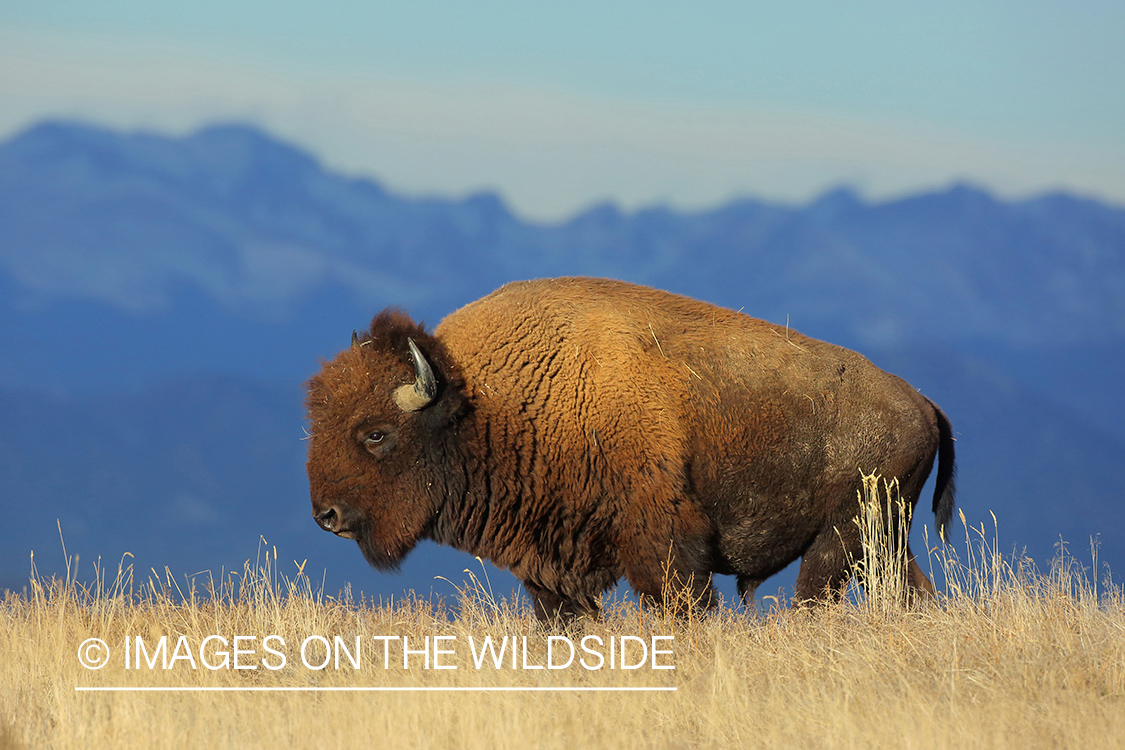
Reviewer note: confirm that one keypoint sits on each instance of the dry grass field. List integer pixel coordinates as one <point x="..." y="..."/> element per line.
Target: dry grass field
<point x="1008" y="656"/>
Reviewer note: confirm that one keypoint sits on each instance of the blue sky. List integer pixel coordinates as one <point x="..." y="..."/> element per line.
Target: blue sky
<point x="558" y="106"/>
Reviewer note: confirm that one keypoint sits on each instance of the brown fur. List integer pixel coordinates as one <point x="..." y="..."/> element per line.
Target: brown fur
<point x="588" y="429"/>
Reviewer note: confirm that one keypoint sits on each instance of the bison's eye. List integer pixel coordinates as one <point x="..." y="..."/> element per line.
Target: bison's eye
<point x="378" y="440"/>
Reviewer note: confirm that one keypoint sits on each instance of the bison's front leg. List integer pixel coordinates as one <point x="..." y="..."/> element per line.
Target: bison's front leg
<point x="667" y="559"/>
<point x="554" y="609"/>
<point x="747" y="586"/>
<point x="679" y="591"/>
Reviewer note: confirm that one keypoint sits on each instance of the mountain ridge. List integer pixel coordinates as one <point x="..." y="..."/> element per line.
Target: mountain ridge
<point x="269" y="226"/>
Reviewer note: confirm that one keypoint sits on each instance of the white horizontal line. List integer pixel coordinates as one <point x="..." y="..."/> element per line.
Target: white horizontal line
<point x="363" y="689"/>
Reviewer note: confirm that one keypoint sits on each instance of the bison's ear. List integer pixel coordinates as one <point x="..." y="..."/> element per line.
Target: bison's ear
<point x="422" y="392"/>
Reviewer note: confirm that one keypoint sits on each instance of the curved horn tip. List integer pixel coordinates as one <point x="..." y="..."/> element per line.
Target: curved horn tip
<point x="422" y="392"/>
<point x="355" y="338"/>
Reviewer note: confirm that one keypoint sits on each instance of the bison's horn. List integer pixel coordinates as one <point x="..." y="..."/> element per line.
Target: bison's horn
<point x="355" y="338"/>
<point x="423" y="390"/>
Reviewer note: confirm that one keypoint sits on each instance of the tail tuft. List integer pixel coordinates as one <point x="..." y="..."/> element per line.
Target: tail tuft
<point x="946" y="487"/>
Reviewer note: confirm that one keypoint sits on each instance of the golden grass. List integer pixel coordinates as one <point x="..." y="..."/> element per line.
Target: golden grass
<point x="1007" y="657"/>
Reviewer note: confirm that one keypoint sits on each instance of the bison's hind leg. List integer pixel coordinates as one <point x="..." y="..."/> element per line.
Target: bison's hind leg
<point x="826" y="567"/>
<point x="918" y="586"/>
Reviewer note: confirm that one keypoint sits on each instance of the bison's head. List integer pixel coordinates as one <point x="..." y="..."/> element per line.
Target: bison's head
<point x="381" y="459"/>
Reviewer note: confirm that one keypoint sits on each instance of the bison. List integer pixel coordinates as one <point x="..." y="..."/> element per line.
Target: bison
<point x="578" y="430"/>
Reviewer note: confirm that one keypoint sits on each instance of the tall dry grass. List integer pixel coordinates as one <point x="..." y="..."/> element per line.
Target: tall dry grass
<point x="1008" y="656"/>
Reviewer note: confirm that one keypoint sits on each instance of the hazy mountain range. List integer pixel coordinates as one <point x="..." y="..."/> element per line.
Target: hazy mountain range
<point x="162" y="300"/>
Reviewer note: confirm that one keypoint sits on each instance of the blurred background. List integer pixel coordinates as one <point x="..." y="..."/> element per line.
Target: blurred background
<point x="200" y="201"/>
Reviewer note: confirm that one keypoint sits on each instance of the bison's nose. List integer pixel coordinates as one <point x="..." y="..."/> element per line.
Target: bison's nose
<point x="337" y="519"/>
<point x="327" y="519"/>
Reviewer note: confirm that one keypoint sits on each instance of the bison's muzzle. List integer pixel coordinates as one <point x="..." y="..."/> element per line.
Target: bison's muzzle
<point x="341" y="520"/>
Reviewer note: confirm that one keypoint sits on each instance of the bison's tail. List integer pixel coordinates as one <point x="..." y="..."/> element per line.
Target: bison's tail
<point x="946" y="486"/>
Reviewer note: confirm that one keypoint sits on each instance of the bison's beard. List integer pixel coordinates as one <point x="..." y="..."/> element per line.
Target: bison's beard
<point x="377" y="554"/>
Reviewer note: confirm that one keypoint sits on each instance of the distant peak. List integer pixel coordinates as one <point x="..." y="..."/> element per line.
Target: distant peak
<point x="83" y="131"/>
<point x="50" y="135"/>
<point x="226" y="141"/>
<point x="242" y="135"/>
<point x="488" y="202"/>
<point x="606" y="212"/>
<point x="249" y="143"/>
<point x="842" y="195"/>
<point x="836" y="202"/>
<point x="56" y="129"/>
<point x="969" y="191"/>
<point x="232" y="130"/>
